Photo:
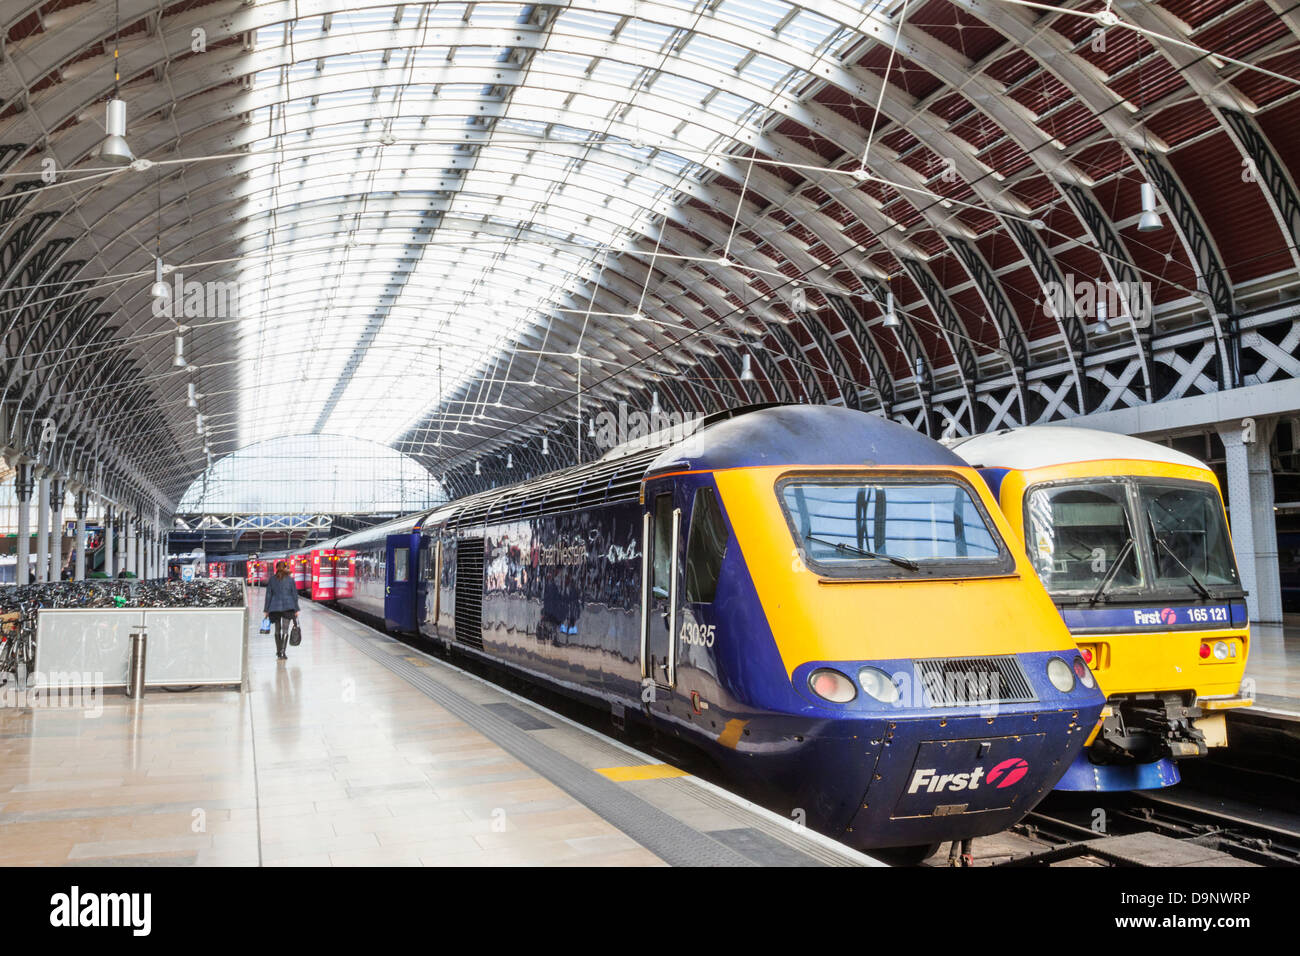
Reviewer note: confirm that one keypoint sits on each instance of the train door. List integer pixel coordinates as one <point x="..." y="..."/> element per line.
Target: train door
<point x="660" y="593"/>
<point x="401" y="581"/>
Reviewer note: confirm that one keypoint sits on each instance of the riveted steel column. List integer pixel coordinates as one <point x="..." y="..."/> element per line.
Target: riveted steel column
<point x="79" y="565"/>
<point x="57" y="488"/>
<point x="43" y="530"/>
<point x="1250" y="506"/>
<point x="23" y="479"/>
<point x="108" y="540"/>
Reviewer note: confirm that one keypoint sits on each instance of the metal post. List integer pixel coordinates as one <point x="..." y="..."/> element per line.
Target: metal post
<point x="56" y="528"/>
<point x="23" y="491"/>
<point x="135" y="676"/>
<point x="108" y="540"/>
<point x="79" y="567"/>
<point x="43" y="530"/>
<point x="129" y="528"/>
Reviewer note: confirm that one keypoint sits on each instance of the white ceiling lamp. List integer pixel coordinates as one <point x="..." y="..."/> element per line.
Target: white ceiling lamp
<point x="179" y="359"/>
<point x="591" y="427"/>
<point x="746" y="368"/>
<point x="191" y="396"/>
<point x="1150" y="219"/>
<point x="115" y="151"/>
<point x="1103" y="312"/>
<point x="478" y="469"/>
<point x="510" y="461"/>
<point x="198" y="424"/>
<point x="159" y="289"/>
<point x="891" y="317"/>
<point x="546" y="446"/>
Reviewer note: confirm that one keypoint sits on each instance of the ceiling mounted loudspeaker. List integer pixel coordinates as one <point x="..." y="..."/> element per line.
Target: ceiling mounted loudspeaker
<point x="891" y="317"/>
<point x="1150" y="219"/>
<point x="746" y="368"/>
<point x="114" y="151"/>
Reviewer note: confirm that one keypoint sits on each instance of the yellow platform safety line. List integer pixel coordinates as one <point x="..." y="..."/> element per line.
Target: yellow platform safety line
<point x="643" y="771"/>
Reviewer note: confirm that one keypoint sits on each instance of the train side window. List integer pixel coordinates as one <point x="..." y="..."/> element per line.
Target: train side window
<point x="705" y="547"/>
<point x="401" y="564"/>
<point x="663" y="552"/>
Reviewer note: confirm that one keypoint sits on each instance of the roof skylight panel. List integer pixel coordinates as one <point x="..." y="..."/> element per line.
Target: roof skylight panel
<point x="766" y="71"/>
<point x="763" y="14"/>
<point x="645" y="35"/>
<point x="680" y="89"/>
<point x="811" y="31"/>
<point x="496" y="13"/>
<point x="714" y="52"/>
<point x="730" y="105"/>
<point x="586" y="22"/>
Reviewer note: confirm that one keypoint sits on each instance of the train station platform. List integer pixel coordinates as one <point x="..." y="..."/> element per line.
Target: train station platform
<point x="1274" y="666"/>
<point x="359" y="750"/>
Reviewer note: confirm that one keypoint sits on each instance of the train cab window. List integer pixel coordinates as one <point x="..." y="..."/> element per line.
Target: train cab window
<point x="663" y="546"/>
<point x="891" y="527"/>
<point x="1188" y="538"/>
<point x="706" y="545"/>
<point x="1075" y="534"/>
<point x="401" y="565"/>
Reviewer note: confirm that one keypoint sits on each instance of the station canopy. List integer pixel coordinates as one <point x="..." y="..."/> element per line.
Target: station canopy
<point x="468" y="230"/>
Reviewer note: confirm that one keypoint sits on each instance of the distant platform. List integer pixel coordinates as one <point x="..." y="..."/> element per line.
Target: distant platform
<point x="360" y="751"/>
<point x="1274" y="666"/>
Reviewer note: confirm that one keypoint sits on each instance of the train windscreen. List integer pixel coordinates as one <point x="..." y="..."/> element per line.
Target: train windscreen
<point x="856" y="527"/>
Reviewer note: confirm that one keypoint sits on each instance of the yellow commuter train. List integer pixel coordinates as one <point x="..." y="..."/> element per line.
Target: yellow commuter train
<point x="1131" y="540"/>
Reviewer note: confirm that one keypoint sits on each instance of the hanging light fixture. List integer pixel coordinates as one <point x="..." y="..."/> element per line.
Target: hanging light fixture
<point x="891" y="317"/>
<point x="1103" y="312"/>
<point x="191" y="396"/>
<point x="510" y="461"/>
<point x="478" y="469"/>
<point x="115" y="151"/>
<point x="591" y="427"/>
<point x="1150" y="219"/>
<point x="546" y="446"/>
<point x="159" y="289"/>
<point x="198" y="424"/>
<point x="179" y="360"/>
<point x="746" y="368"/>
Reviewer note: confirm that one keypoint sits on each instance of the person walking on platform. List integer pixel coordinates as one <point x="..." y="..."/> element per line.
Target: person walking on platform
<point x="281" y="606"/>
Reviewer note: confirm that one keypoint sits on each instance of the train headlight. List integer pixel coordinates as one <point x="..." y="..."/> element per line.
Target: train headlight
<point x="878" y="684"/>
<point x="1221" y="651"/>
<point x="832" y="685"/>
<point x="1081" y="671"/>
<point x="1060" y="674"/>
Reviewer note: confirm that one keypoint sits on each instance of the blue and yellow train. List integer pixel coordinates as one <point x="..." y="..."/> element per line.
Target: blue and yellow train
<point x="827" y="604"/>
<point x="1131" y="540"/>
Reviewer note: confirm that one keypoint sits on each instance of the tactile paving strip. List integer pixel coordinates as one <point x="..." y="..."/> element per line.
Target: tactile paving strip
<point x="672" y="841"/>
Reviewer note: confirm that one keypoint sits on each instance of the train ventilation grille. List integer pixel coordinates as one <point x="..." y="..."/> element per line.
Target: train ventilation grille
<point x="954" y="681"/>
<point x="469" y="591"/>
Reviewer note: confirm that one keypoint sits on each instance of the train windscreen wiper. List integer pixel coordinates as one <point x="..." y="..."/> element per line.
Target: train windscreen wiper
<point x="1115" y="565"/>
<point x="1196" y="582"/>
<point x="850" y="549"/>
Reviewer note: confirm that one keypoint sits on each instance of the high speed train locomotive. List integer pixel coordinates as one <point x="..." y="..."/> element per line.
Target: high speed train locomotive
<point x="1131" y="541"/>
<point x="823" y="602"/>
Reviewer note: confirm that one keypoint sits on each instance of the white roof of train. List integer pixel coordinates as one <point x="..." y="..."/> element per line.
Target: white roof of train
<point x="1041" y="446"/>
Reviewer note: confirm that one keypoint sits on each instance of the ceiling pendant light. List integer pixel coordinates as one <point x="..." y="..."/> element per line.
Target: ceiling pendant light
<point x="510" y="461"/>
<point x="478" y="469"/>
<point x="191" y="396"/>
<point x="1150" y="219"/>
<point x="198" y="424"/>
<point x="179" y="359"/>
<point x="1103" y="313"/>
<point x="591" y="427"/>
<point x="159" y="289"/>
<point x="546" y="446"/>
<point x="891" y="317"/>
<point x="115" y="151"/>
<point x="746" y="368"/>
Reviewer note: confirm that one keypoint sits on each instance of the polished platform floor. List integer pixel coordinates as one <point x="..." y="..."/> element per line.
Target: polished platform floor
<point x="357" y="751"/>
<point x="1274" y="664"/>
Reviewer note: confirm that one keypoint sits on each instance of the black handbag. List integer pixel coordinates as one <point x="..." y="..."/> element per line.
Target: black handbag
<point x="295" y="634"/>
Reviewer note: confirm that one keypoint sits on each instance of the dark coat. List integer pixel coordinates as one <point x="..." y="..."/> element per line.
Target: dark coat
<point x="281" y="594"/>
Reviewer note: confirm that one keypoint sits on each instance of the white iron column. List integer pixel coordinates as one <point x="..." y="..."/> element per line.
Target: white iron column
<point x="1250" y="505"/>
<point x="56" y="528"/>
<point x="23" y="492"/>
<point x="79" y="565"/>
<point x="43" y="530"/>
<point x="129" y="526"/>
